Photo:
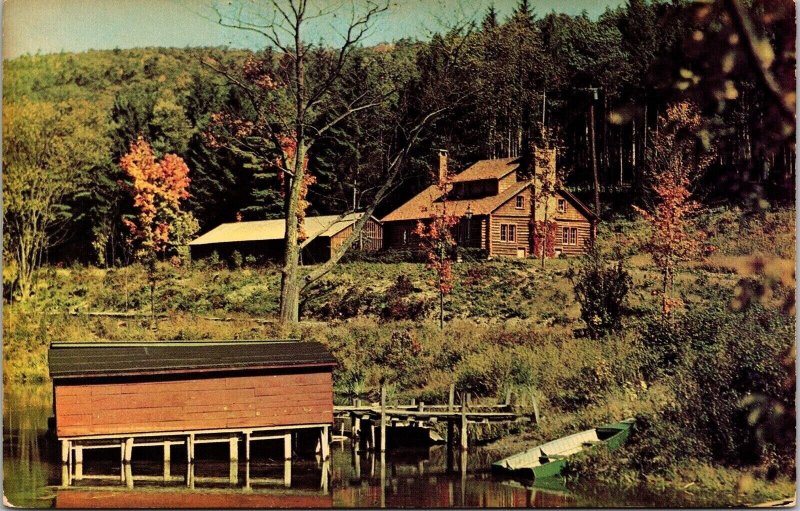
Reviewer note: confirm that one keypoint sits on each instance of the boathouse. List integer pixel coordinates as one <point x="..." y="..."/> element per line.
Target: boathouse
<point x="130" y="394"/>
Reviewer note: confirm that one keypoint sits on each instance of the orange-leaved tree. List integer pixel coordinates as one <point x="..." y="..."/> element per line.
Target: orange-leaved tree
<point x="436" y="240"/>
<point x="674" y="161"/>
<point x="157" y="188"/>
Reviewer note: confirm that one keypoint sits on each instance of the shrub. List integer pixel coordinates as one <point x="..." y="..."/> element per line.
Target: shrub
<point x="601" y="292"/>
<point x="236" y="259"/>
<point x="400" y="305"/>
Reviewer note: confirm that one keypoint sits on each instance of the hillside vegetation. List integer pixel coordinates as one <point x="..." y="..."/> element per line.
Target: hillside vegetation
<point x="510" y="325"/>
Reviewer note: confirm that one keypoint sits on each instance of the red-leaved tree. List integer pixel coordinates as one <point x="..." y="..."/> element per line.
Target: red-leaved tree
<point x="674" y="161"/>
<point x="436" y="240"/>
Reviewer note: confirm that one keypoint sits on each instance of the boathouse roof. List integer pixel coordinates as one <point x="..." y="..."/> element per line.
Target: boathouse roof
<point x="109" y="359"/>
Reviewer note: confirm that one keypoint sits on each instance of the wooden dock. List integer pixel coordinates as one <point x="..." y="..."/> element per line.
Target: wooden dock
<point x="370" y="417"/>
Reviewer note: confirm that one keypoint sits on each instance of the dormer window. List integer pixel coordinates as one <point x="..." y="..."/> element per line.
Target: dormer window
<point x="520" y="202"/>
<point x="562" y="205"/>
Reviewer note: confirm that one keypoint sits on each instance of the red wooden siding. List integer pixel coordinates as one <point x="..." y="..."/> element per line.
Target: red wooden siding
<point x="194" y="404"/>
<point x="75" y="498"/>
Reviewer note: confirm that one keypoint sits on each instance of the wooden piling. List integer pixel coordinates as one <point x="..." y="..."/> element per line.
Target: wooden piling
<point x="463" y="435"/>
<point x="65" y="447"/>
<point x="128" y="450"/>
<point x="247" y="446"/>
<point x="287" y="447"/>
<point x="78" y="463"/>
<point x="287" y="473"/>
<point x="325" y="443"/>
<point x="233" y="444"/>
<point x="383" y="418"/>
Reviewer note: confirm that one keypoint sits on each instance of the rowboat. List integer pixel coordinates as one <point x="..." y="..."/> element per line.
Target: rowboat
<point x="548" y="460"/>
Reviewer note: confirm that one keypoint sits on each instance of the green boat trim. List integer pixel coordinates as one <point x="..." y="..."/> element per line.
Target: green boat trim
<point x="549" y="459"/>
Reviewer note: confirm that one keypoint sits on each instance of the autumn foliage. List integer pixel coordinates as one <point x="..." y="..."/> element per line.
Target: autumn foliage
<point x="157" y="188"/>
<point x="436" y="238"/>
<point x="674" y="163"/>
<point x="546" y="237"/>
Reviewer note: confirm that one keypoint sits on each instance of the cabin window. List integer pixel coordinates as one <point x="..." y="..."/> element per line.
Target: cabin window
<point x="569" y="236"/>
<point x="562" y="205"/>
<point x="520" y="202"/>
<point x="508" y="232"/>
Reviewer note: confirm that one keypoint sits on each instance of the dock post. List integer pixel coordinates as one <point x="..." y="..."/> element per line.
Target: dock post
<point x="383" y="418"/>
<point x="65" y="447"/>
<point x="247" y="446"/>
<point x="190" y="448"/>
<point x="233" y="473"/>
<point x="372" y="435"/>
<point x="287" y="473"/>
<point x="451" y="398"/>
<point x="355" y="428"/>
<point x="287" y="447"/>
<point x="167" y="460"/>
<point x="465" y="399"/>
<point x="128" y="450"/>
<point x="233" y="444"/>
<point x="128" y="476"/>
<point x="78" y="463"/>
<point x="324" y="440"/>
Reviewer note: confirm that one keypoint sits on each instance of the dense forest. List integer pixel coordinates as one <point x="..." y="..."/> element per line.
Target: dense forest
<point x="504" y="85"/>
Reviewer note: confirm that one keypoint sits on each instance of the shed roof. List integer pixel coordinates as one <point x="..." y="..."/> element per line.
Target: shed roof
<point x="265" y="230"/>
<point x="108" y="359"/>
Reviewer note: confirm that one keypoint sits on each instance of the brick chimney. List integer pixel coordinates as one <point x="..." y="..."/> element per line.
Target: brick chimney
<point x="442" y="165"/>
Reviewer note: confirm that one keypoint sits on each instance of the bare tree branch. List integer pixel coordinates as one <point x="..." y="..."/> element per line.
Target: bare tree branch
<point x="394" y="168"/>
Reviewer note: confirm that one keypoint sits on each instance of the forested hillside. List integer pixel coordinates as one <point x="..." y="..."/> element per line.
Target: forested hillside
<point x="532" y="78"/>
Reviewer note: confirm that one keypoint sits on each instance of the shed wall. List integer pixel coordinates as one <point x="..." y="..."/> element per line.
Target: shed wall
<point x="200" y="403"/>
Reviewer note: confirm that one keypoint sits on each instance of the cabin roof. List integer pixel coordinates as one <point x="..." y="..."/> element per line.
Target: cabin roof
<point x="427" y="202"/>
<point x="487" y="169"/>
<point x="266" y="230"/>
<point x="109" y="359"/>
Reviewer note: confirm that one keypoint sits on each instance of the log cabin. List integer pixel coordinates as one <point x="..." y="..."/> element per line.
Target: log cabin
<point x="130" y="394"/>
<point x="263" y="239"/>
<point x="496" y="207"/>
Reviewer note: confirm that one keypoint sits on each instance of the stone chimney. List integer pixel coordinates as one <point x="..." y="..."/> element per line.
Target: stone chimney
<point x="442" y="166"/>
<point x="544" y="164"/>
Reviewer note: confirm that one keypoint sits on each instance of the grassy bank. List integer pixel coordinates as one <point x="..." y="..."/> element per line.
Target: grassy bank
<point x="511" y="325"/>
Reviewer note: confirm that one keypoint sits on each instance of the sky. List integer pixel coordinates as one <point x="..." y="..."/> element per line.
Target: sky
<point x="52" y="26"/>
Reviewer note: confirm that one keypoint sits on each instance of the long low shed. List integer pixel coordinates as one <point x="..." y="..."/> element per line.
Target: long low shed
<point x="136" y="392"/>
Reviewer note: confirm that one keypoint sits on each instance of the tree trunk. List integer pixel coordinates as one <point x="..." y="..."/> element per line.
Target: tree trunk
<point x="595" y="176"/>
<point x="290" y="286"/>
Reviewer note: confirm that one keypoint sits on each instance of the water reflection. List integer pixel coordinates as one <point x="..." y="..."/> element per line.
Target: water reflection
<point x="424" y="477"/>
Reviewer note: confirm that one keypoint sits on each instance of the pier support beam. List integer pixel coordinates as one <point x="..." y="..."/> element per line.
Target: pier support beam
<point x="233" y="444"/>
<point x="78" y="463"/>
<point x="463" y="436"/>
<point x="128" y="454"/>
<point x="287" y="447"/>
<point x="65" y="447"/>
<point x="324" y="440"/>
<point x="383" y="418"/>
<point x="287" y="473"/>
<point x="247" y="446"/>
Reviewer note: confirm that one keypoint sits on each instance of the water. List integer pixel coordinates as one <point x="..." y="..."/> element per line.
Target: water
<point x="428" y="477"/>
